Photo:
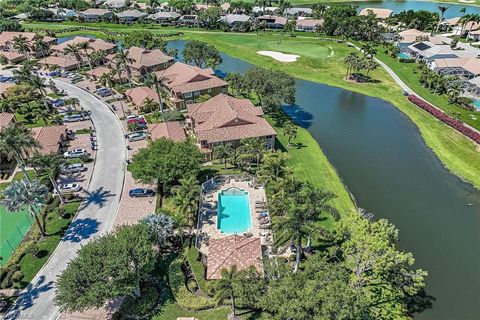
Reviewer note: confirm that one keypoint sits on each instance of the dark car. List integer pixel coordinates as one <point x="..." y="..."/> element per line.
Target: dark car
<point x="141" y="192"/>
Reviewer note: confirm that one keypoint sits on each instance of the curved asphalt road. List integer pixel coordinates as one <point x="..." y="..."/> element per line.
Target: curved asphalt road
<point x="96" y="215"/>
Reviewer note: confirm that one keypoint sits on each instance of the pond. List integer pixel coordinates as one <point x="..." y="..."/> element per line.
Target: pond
<point x="399" y="6"/>
<point x="381" y="157"/>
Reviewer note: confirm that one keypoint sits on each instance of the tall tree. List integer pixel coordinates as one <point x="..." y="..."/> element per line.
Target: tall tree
<point x="290" y="130"/>
<point x="165" y="162"/>
<point x="201" y="54"/>
<point x="49" y="166"/>
<point x="85" y="46"/>
<point x="74" y="51"/>
<point x="442" y="10"/>
<point x="41" y="46"/>
<point x="223" y="151"/>
<point x="123" y="62"/>
<point x="186" y="198"/>
<point x="274" y="167"/>
<point x="154" y="81"/>
<point x="160" y="227"/>
<point x="21" y="45"/>
<point x="26" y="193"/>
<point x="106" y="268"/>
<point x="17" y="142"/>
<point x="224" y="288"/>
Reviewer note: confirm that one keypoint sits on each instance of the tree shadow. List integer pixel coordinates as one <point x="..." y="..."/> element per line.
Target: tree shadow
<point x="418" y="303"/>
<point x="81" y="229"/>
<point x="98" y="197"/>
<point x="26" y="298"/>
<point x="298" y="115"/>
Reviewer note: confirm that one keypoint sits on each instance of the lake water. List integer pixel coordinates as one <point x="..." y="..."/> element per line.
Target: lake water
<point x="381" y="157"/>
<point x="398" y="6"/>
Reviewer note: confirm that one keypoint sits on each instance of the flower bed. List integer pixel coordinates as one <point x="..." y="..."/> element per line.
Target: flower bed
<point x="454" y="123"/>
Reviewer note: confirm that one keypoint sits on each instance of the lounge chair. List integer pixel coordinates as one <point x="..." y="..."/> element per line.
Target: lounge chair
<point x="265" y="226"/>
<point x="264" y="220"/>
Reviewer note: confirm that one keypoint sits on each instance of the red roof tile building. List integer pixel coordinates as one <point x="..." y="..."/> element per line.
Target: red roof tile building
<point x="169" y="129"/>
<point x="51" y="139"/>
<point x="95" y="44"/>
<point x="144" y="61"/>
<point x="98" y="72"/>
<point x="237" y="250"/>
<point x="186" y="83"/>
<point x="64" y="63"/>
<point x="7" y="45"/>
<point x="139" y="95"/>
<point x="226" y="120"/>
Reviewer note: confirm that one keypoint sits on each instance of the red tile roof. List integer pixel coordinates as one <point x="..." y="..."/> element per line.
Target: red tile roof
<point x="233" y="250"/>
<point x="138" y="95"/>
<point x="146" y="58"/>
<point x="310" y="22"/>
<point x="277" y="19"/>
<point x="8" y="36"/>
<point x="96" y="44"/>
<point x="184" y="78"/>
<point x="6" y="119"/>
<point x="225" y="118"/>
<point x="170" y="129"/>
<point x="12" y="56"/>
<point x="62" y="62"/>
<point x="49" y="138"/>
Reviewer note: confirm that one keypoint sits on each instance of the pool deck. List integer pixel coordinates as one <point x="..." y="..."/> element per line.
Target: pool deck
<point x="207" y="227"/>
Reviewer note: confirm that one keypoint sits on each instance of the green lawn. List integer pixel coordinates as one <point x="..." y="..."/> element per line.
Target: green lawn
<point x="409" y="73"/>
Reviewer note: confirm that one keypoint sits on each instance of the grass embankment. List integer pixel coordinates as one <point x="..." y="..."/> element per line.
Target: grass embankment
<point x="456" y="152"/>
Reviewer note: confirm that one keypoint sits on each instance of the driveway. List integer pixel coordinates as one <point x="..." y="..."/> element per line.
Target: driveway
<point x="96" y="215"/>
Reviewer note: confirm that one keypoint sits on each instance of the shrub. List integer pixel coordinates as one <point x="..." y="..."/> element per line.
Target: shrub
<point x="185" y="298"/>
<point x="454" y="123"/>
<point x="192" y="285"/>
<point x="197" y="267"/>
<point x="17" y="276"/>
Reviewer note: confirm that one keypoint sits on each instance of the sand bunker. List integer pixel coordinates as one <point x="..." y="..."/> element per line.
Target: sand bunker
<point x="282" y="57"/>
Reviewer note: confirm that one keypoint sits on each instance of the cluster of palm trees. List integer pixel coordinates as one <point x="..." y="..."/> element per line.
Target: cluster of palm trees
<point x="185" y="197"/>
<point x="250" y="151"/>
<point x="474" y="18"/>
<point x="439" y="83"/>
<point x="356" y="63"/>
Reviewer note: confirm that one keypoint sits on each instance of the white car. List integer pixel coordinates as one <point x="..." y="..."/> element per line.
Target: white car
<point x="75" y="153"/>
<point x="69" y="187"/>
<point x="133" y="116"/>
<point x="73" y="168"/>
<point x="136" y="136"/>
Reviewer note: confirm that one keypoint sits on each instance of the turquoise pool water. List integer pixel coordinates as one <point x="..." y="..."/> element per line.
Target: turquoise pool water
<point x="233" y="211"/>
<point x="404" y="55"/>
<point x="476" y="104"/>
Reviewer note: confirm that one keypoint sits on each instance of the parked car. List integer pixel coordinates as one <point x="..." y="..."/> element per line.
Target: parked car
<point x="141" y="192"/>
<point x="104" y="92"/>
<point x="75" y="153"/>
<point x="70" y="187"/>
<point x="134" y="116"/>
<point x="53" y="73"/>
<point x="136" y="136"/>
<point x="136" y="120"/>
<point x="56" y="102"/>
<point x="75" y="117"/>
<point x="74" y="168"/>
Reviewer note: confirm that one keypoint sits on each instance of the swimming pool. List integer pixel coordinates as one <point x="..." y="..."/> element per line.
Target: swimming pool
<point x="233" y="211"/>
<point x="405" y="55"/>
<point x="476" y="104"/>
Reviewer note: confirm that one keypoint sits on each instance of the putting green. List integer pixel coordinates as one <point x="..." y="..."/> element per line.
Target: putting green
<point x="300" y="48"/>
<point x="13" y="227"/>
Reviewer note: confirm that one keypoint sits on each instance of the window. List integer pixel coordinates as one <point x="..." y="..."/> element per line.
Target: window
<point x="196" y="93"/>
<point x="268" y="137"/>
<point x="187" y="95"/>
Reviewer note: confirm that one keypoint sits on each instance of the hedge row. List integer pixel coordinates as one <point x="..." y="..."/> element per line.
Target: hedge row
<point x="185" y="298"/>
<point x="454" y="123"/>
<point x="102" y="30"/>
<point x="198" y="270"/>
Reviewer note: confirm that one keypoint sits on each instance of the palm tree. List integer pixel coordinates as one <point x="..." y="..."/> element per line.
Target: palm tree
<point x="149" y="105"/>
<point x="186" y="198"/>
<point x="85" y="46"/>
<point x="26" y="193"/>
<point x="38" y="84"/>
<point x="153" y="3"/>
<point x="73" y="50"/>
<point x="295" y="226"/>
<point x="290" y="130"/>
<point x="24" y="73"/>
<point x="442" y="13"/>
<point x="49" y="166"/>
<point x="17" y="141"/>
<point x="283" y="6"/>
<point x="123" y="61"/>
<point x="20" y="43"/>
<point x="153" y="81"/>
<point x="454" y="92"/>
<point x="223" y="151"/>
<point x="256" y="148"/>
<point x="368" y="50"/>
<point x="224" y="288"/>
<point x="274" y="167"/>
<point x="42" y="47"/>
<point x="106" y="79"/>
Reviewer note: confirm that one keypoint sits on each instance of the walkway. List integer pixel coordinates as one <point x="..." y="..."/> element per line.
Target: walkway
<point x="96" y="215"/>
